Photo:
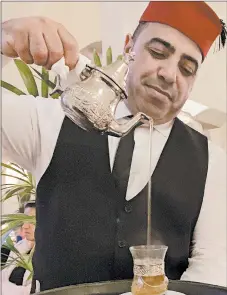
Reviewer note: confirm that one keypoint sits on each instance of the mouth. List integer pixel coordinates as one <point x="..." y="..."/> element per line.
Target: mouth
<point x="157" y="89"/>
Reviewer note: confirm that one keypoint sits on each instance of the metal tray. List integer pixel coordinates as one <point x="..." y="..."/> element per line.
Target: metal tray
<point x="119" y="287"/>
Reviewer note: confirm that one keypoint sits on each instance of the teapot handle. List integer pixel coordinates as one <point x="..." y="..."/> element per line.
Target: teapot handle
<point x="66" y="77"/>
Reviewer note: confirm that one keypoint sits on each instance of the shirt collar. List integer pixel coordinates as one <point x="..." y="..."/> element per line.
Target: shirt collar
<point x="123" y="111"/>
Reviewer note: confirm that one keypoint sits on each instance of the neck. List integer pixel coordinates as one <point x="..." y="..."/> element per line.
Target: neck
<point x="156" y="122"/>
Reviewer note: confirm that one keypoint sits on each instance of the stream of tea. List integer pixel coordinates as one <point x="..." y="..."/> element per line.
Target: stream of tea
<point x="149" y="190"/>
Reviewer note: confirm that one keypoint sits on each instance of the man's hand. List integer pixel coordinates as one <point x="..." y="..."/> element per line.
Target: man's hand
<point x="39" y="40"/>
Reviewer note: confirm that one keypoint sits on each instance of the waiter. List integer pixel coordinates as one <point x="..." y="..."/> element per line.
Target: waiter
<point x="92" y="189"/>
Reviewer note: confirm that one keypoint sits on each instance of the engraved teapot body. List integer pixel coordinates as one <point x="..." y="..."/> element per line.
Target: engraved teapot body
<point x="91" y="102"/>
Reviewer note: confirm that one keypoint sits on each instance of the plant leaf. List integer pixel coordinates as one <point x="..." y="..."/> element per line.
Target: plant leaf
<point x="48" y="82"/>
<point x="10" y="261"/>
<point x="30" y="277"/>
<point x="10" y="245"/>
<point x="44" y="86"/>
<point x="14" y="169"/>
<point x="21" y="260"/>
<point x="27" y="76"/>
<point x="12" y="88"/>
<point x="30" y="177"/>
<point x="6" y="231"/>
<point x="7" y="185"/>
<point x="15" y="177"/>
<point x="109" y="57"/>
<point x="16" y="165"/>
<point x="97" y="59"/>
<point x="18" y="217"/>
<point x="15" y="219"/>
<point x="10" y="193"/>
<point x="10" y="186"/>
<point x="120" y="57"/>
<point x="55" y="95"/>
<point x="31" y="254"/>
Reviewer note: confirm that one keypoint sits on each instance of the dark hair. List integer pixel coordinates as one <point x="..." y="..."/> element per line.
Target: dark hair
<point x="30" y="204"/>
<point x="139" y="29"/>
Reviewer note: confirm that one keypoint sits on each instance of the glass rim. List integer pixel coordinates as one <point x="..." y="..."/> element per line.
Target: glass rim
<point x="148" y="247"/>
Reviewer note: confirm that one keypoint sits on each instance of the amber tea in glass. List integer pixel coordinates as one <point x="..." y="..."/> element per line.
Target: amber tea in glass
<point x="149" y="271"/>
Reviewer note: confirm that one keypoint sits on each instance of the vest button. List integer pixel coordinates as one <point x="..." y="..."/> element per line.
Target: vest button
<point x="128" y="208"/>
<point x="121" y="244"/>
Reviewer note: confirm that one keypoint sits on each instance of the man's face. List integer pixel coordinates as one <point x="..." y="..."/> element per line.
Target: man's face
<point x="164" y="70"/>
<point x="29" y="229"/>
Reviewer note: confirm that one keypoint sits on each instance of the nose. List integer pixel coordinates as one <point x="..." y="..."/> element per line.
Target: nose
<point x="26" y="225"/>
<point x="167" y="72"/>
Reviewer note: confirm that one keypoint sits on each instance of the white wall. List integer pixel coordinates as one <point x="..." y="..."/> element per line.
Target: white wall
<point x="82" y="19"/>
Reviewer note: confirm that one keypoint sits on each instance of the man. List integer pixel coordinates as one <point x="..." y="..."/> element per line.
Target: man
<point x="91" y="206"/>
<point x="15" y="278"/>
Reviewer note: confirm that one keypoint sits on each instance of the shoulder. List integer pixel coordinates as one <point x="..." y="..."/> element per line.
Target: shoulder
<point x="189" y="129"/>
<point x="196" y="139"/>
<point x="217" y="155"/>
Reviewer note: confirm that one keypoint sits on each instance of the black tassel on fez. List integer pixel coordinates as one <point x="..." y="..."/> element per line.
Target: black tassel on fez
<point x="223" y="35"/>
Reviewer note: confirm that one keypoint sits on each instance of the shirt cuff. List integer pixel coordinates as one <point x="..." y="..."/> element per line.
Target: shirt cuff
<point x="83" y="60"/>
<point x="67" y="77"/>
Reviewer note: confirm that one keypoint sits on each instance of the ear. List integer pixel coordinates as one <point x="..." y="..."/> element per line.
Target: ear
<point x="128" y="43"/>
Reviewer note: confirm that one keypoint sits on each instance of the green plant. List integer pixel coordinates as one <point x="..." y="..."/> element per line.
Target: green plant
<point x="18" y="259"/>
<point x="21" y="185"/>
<point x="109" y="57"/>
<point x="30" y="80"/>
<point x="12" y="221"/>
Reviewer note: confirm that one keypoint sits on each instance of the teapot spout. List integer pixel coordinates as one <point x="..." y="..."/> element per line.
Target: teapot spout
<point x="119" y="130"/>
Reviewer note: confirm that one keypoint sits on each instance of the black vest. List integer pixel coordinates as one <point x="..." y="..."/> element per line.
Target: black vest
<point x="84" y="224"/>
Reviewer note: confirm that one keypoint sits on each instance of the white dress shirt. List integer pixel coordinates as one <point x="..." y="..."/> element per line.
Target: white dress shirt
<point x="30" y="128"/>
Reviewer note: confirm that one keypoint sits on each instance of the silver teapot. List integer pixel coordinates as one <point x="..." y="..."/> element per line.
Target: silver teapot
<point x="91" y="103"/>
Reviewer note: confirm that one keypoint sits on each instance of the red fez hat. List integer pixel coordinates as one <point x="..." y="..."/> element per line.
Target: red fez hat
<point x="194" y="19"/>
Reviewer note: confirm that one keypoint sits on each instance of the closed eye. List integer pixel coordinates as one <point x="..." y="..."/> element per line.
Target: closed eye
<point x="157" y="54"/>
<point x="187" y="72"/>
<point x="187" y="68"/>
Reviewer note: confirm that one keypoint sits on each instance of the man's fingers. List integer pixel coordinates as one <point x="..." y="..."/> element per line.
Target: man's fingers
<point x="70" y="47"/>
<point x="54" y="47"/>
<point x="38" y="48"/>
<point x="7" y="46"/>
<point x="39" y="40"/>
<point x="22" y="47"/>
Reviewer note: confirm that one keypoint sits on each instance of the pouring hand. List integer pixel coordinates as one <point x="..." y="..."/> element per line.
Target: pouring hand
<point x="39" y="40"/>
